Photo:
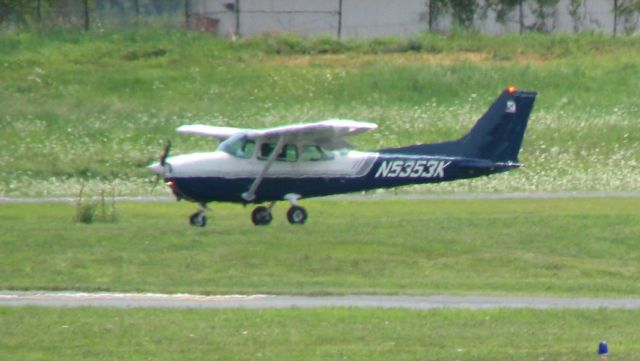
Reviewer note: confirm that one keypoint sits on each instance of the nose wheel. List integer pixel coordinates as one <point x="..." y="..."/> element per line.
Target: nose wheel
<point x="198" y="219"/>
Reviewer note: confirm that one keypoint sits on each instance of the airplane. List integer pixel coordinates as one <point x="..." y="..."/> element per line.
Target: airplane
<point x="294" y="162"/>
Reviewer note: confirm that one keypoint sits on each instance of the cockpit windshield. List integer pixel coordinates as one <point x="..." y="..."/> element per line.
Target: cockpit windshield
<point x="238" y="146"/>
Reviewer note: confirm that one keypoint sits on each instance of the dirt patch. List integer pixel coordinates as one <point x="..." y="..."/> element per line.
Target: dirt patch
<point x="359" y="60"/>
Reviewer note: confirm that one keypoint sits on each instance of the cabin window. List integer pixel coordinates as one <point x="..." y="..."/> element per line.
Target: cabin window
<point x="289" y="152"/>
<point x="238" y="146"/>
<point x="315" y="153"/>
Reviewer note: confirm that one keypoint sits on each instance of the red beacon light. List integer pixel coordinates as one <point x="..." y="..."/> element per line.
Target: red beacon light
<point x="511" y="89"/>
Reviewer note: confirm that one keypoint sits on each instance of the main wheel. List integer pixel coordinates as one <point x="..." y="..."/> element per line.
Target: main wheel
<point x="198" y="219"/>
<point x="261" y="216"/>
<point x="296" y="215"/>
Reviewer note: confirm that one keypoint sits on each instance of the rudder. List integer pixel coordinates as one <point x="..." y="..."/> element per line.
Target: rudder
<point x="496" y="136"/>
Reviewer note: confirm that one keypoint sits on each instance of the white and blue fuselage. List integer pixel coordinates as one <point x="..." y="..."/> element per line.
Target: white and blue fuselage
<point x="293" y="162"/>
<point x="220" y="176"/>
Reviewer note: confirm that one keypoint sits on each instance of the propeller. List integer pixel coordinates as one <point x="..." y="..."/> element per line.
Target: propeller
<point x="163" y="162"/>
<point x="165" y="153"/>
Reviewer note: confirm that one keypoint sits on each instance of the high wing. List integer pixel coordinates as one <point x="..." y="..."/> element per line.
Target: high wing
<point x="220" y="133"/>
<point x="328" y="133"/>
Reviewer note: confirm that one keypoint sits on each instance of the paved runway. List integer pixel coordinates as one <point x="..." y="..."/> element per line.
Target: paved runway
<point x="152" y="300"/>
<point x="366" y="197"/>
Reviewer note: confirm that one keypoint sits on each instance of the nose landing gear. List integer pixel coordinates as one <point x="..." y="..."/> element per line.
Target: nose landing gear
<point x="198" y="219"/>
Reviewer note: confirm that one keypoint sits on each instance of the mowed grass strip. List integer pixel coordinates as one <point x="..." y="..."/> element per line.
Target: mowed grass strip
<point x="568" y="247"/>
<point x="95" y="109"/>
<point x="322" y="334"/>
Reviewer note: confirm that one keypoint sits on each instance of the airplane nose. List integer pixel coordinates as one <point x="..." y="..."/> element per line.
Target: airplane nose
<point x="156" y="168"/>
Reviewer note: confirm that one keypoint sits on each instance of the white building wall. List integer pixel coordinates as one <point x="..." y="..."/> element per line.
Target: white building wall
<point x="379" y="18"/>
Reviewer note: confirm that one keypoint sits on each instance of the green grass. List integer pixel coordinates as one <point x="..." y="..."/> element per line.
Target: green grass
<point x="568" y="247"/>
<point x="324" y="334"/>
<point x="96" y="108"/>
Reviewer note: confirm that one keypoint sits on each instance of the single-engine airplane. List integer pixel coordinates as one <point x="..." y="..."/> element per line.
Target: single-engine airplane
<point x="300" y="161"/>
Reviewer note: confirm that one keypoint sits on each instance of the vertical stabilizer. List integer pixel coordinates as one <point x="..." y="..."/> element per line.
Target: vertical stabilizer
<point x="497" y="136"/>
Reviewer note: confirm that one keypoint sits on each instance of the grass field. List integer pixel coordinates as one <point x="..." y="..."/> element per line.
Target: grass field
<point x="568" y="247"/>
<point x="94" y="109"/>
<point x="326" y="334"/>
<point x="91" y="110"/>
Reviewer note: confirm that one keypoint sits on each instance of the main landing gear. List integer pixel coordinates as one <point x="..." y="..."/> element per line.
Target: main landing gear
<point x="261" y="215"/>
<point x="296" y="215"/>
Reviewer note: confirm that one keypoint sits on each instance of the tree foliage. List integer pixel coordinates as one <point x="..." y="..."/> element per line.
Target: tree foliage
<point x="503" y="8"/>
<point x="544" y="12"/>
<point x="19" y="10"/>
<point x="627" y="11"/>
<point x="463" y="12"/>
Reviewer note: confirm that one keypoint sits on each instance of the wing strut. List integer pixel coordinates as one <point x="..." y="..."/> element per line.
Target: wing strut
<point x="251" y="193"/>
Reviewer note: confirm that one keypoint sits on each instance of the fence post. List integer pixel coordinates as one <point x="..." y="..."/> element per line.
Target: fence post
<point x="86" y="15"/>
<point x="615" y="17"/>
<point x="136" y="8"/>
<point x="520" y="17"/>
<point x="339" y="19"/>
<point x="237" y="10"/>
<point x="187" y="15"/>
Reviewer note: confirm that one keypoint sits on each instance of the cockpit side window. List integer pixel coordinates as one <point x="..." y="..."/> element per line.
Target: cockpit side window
<point x="315" y="153"/>
<point x="265" y="150"/>
<point x="238" y="146"/>
<point x="289" y="152"/>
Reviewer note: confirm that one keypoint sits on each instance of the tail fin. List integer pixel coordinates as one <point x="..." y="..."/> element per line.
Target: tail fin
<point x="497" y="136"/>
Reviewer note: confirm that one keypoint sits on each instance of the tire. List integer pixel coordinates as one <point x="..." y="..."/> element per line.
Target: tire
<point x="198" y="219"/>
<point x="261" y="216"/>
<point x="296" y="215"/>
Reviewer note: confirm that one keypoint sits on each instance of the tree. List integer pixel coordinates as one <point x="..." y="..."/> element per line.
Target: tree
<point x="543" y="11"/>
<point x="627" y="11"/>
<point x="503" y="8"/>
<point x="463" y="12"/>
<point x="19" y="10"/>
<point x="574" y="11"/>
<point x="435" y="8"/>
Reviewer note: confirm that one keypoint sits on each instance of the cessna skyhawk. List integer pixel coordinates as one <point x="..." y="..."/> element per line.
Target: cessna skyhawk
<point x="293" y="162"/>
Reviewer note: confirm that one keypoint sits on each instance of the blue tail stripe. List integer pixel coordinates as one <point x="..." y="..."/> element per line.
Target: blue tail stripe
<point x="497" y="136"/>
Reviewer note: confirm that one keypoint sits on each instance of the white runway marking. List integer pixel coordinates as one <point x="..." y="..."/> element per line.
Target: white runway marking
<point x="154" y="300"/>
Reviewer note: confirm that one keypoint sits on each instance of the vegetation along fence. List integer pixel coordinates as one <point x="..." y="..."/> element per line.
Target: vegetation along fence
<point x="340" y="18"/>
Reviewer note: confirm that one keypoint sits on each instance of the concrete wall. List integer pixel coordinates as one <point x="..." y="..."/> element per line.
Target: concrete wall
<point x="378" y="18"/>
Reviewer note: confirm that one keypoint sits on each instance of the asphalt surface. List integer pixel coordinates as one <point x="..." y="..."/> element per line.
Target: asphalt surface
<point x="150" y="300"/>
<point x="364" y="197"/>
